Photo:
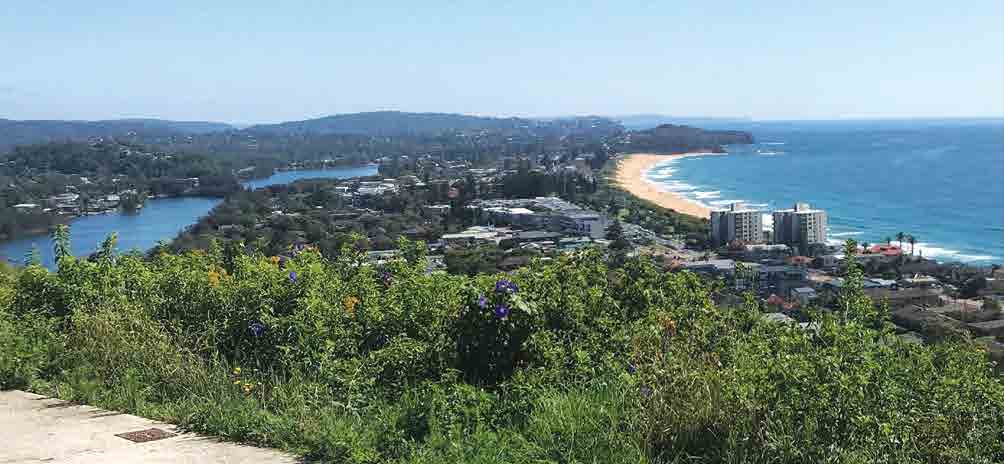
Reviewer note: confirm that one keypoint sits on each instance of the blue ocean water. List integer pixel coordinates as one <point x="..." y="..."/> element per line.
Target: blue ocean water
<point x="159" y="220"/>
<point x="940" y="181"/>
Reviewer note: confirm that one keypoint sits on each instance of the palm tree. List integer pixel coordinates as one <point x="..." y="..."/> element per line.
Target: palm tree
<point x="913" y="241"/>
<point x="900" y="236"/>
<point x="888" y="240"/>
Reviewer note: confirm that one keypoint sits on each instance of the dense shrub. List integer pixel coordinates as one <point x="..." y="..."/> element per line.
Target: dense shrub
<point x="563" y="361"/>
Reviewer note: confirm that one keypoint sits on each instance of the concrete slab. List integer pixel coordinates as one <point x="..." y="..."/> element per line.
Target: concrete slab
<point x="34" y="429"/>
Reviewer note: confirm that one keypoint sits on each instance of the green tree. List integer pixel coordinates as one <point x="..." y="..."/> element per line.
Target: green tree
<point x="33" y="257"/>
<point x="853" y="303"/>
<point x="972" y="287"/>
<point x="413" y="252"/>
<point x="61" y="243"/>
<point x="106" y="252"/>
<point x="615" y="233"/>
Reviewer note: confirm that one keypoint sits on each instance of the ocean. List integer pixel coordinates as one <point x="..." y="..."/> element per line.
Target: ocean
<point x="941" y="181"/>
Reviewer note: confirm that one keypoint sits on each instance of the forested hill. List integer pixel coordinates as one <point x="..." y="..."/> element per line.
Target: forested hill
<point x="398" y="132"/>
<point x="669" y="138"/>
<point x="104" y="159"/>
<point x="648" y="121"/>
<point x="387" y="123"/>
<point x="29" y="174"/>
<point x="14" y="132"/>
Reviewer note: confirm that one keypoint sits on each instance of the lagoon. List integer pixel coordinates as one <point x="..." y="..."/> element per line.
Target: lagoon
<point x="286" y="177"/>
<point x="160" y="220"/>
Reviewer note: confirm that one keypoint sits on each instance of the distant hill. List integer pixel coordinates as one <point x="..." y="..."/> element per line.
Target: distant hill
<point x="648" y="121"/>
<point x="185" y="127"/>
<point x="390" y="123"/>
<point x="669" y="138"/>
<point x="14" y="133"/>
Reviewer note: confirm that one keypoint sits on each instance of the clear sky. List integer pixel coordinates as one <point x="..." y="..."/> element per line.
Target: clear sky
<point x="261" y="61"/>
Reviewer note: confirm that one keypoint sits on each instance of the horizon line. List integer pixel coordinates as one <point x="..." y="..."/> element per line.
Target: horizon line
<point x="617" y="117"/>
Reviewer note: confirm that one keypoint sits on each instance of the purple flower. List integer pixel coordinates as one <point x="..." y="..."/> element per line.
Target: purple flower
<point x="256" y="329"/>
<point x="282" y="262"/>
<point x="482" y="302"/>
<point x="501" y="311"/>
<point x="631" y="369"/>
<point x="292" y="276"/>
<point x="505" y="286"/>
<point x="387" y="278"/>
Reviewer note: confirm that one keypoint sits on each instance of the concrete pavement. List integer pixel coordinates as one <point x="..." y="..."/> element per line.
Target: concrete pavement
<point x="36" y="429"/>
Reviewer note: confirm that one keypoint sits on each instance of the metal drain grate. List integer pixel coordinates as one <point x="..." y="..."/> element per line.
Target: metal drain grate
<point x="143" y="436"/>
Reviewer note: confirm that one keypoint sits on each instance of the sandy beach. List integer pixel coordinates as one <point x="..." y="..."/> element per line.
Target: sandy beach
<point x="631" y="177"/>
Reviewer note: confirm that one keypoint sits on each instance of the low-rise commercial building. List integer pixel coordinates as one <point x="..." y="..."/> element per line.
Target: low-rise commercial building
<point x="477" y="235"/>
<point x="582" y="222"/>
<point x="760" y="251"/>
<point x="712" y="267"/>
<point x="904" y="297"/>
<point x="517" y="216"/>
<point x="436" y="210"/>
<point x="550" y="212"/>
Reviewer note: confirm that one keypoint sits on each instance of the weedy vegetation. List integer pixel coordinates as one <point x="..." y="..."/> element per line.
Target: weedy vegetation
<point x="564" y="361"/>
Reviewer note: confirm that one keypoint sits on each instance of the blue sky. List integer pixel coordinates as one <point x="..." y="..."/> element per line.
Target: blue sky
<point x="260" y="61"/>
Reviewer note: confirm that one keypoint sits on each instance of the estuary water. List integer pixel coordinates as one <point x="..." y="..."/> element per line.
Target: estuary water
<point x="941" y="181"/>
<point x="159" y="220"/>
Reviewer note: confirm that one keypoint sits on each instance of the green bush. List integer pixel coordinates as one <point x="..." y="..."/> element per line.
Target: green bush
<point x="562" y="361"/>
<point x="29" y="348"/>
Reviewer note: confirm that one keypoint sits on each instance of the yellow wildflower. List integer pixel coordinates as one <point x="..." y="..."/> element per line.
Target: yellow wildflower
<point x="669" y="326"/>
<point x="214" y="278"/>
<point x="350" y="303"/>
<point x="275" y="260"/>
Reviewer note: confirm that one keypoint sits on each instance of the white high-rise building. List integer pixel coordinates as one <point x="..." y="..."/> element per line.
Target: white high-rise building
<point x="800" y="226"/>
<point x="736" y="224"/>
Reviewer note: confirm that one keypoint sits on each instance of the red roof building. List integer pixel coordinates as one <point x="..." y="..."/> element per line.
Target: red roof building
<point x="799" y="261"/>
<point x="887" y="250"/>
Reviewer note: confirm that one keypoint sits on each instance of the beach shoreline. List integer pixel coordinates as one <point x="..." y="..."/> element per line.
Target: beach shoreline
<point x="630" y="176"/>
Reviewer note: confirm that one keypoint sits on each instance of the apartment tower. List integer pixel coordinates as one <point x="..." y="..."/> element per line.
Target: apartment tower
<point x="736" y="224"/>
<point x="800" y="226"/>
